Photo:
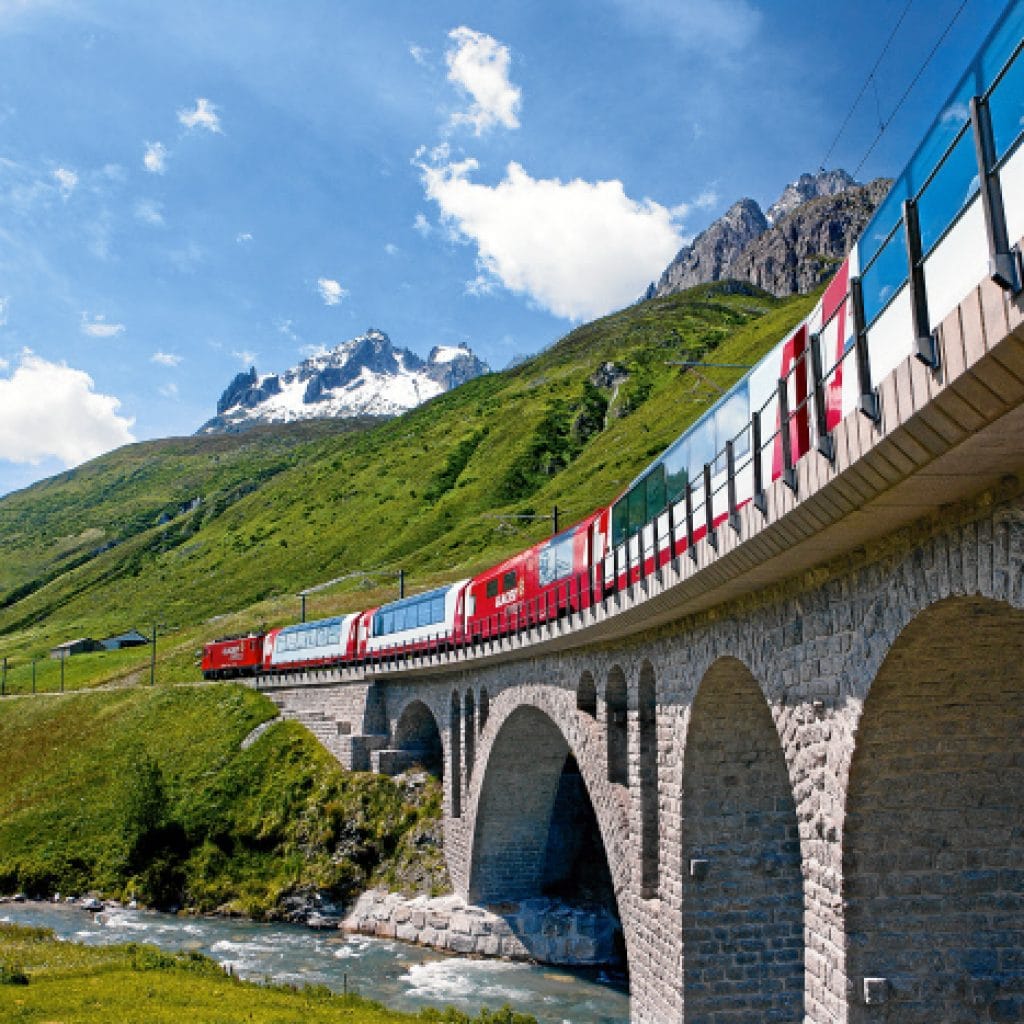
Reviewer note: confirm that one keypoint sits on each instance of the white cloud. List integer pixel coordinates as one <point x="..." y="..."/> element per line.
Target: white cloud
<point x="51" y="409"/>
<point x="422" y="225"/>
<point x="165" y="358"/>
<point x="4" y="300"/>
<point x="168" y="390"/>
<point x="715" y="27"/>
<point x="187" y="260"/>
<point x="67" y="181"/>
<point x="3" y="363"/>
<point x="577" y="248"/>
<point x="707" y="199"/>
<point x="115" y="172"/>
<point x="479" y="64"/>
<point x="480" y="285"/>
<point x="148" y="212"/>
<point x="419" y="54"/>
<point x="243" y="236"/>
<point x="286" y="328"/>
<point x="98" y="327"/>
<point x="245" y="357"/>
<point x="391" y="249"/>
<point x="155" y="158"/>
<point x="204" y="116"/>
<point x="330" y="291"/>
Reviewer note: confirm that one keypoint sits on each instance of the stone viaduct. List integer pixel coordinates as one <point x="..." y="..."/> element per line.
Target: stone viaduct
<point x="801" y="755"/>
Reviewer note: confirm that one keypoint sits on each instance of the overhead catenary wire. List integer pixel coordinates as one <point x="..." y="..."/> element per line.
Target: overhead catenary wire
<point x="867" y="82"/>
<point x="906" y="92"/>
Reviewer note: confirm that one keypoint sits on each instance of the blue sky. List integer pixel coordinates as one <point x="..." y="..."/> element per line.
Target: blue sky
<point x="190" y="188"/>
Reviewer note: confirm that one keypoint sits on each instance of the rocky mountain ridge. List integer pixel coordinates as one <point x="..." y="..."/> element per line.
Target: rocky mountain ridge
<point x="790" y="249"/>
<point x="366" y="376"/>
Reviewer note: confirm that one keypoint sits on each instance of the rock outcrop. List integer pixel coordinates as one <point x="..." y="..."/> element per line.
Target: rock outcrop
<point x="792" y="248"/>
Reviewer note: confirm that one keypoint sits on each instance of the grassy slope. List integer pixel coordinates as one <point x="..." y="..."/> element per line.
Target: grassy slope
<point x="251" y="825"/>
<point x="42" y="980"/>
<point x="287" y="508"/>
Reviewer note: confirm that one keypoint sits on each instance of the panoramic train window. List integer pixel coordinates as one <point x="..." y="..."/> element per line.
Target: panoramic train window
<point x="492" y="587"/>
<point x="620" y="522"/>
<point x="555" y="560"/>
<point x="414" y="612"/>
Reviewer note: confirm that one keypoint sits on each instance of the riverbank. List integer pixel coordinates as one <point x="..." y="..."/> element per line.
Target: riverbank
<point x="154" y="794"/>
<point x="403" y="977"/>
<point x="41" y="977"/>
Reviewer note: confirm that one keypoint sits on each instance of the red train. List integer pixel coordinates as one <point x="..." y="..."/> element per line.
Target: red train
<point x="754" y="434"/>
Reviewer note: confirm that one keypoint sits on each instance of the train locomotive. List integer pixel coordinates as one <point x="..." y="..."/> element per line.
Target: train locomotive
<point x="710" y="470"/>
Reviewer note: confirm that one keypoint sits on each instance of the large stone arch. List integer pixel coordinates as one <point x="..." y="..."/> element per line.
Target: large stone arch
<point x="417" y="736"/>
<point x="933" y="842"/>
<point x="530" y="733"/>
<point x="742" y="907"/>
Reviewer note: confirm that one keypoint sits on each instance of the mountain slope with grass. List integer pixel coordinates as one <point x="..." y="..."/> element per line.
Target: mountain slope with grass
<point x="211" y="535"/>
<point x="150" y="793"/>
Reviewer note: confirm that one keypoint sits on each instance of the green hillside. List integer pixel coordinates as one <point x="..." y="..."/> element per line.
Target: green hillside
<point x="122" y="541"/>
<point x="149" y="793"/>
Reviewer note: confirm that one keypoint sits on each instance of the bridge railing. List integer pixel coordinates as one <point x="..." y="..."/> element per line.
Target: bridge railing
<point x="946" y="224"/>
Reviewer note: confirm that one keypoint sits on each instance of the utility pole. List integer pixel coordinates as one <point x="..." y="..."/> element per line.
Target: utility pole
<point x="152" y="659"/>
<point x="302" y="596"/>
<point x="63" y="657"/>
<point x="401" y="584"/>
<point x="554" y="520"/>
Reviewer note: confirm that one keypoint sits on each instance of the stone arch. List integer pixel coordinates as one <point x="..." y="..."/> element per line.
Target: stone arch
<point x="485" y="708"/>
<point x="616" y="726"/>
<point x="418" y="738"/>
<point x="933" y="841"/>
<point x="647" y="714"/>
<point x="455" y="756"/>
<point x="535" y="739"/>
<point x="470" y="732"/>
<point x="742" y="883"/>
<point x="586" y="695"/>
<point x="514" y="807"/>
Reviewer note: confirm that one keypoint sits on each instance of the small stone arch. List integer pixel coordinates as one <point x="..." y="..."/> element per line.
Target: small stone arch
<point x="470" y="733"/>
<point x="742" y="883"/>
<point x="455" y="755"/>
<point x="485" y="708"/>
<point x="647" y="713"/>
<point x="586" y="695"/>
<point x="933" y="839"/>
<point x="418" y="738"/>
<point x="617" y="726"/>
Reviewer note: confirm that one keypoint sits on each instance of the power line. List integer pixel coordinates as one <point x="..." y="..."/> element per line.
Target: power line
<point x="909" y="88"/>
<point x="867" y="82"/>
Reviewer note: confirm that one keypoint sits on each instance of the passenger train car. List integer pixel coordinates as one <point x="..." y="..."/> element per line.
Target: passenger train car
<point x="924" y="247"/>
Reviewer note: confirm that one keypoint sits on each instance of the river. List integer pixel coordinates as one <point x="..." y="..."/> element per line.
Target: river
<point x="401" y="976"/>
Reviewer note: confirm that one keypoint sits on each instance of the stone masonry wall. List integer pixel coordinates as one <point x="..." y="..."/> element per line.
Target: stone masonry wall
<point x="942" y="731"/>
<point x="813" y="647"/>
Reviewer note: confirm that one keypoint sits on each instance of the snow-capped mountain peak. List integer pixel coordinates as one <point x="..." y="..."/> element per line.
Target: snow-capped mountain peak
<point x="366" y="376"/>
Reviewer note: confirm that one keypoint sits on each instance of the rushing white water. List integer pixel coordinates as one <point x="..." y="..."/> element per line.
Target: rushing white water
<point x="401" y="976"/>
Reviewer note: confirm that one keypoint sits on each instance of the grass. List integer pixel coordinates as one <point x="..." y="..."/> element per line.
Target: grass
<point x="121" y="541"/>
<point x="43" y="980"/>
<point x="147" y="792"/>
